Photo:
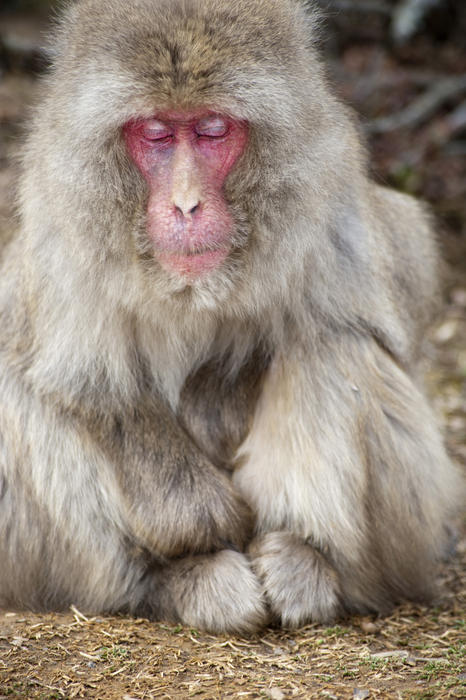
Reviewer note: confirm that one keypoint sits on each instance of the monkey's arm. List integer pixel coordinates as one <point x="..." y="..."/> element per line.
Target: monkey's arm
<point x="174" y="499"/>
<point x="344" y="462"/>
<point x="217" y="410"/>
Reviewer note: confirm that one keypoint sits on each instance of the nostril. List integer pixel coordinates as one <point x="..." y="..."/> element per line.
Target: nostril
<point x="185" y="211"/>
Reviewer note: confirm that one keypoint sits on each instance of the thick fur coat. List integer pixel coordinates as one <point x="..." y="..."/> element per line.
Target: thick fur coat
<point x="253" y="444"/>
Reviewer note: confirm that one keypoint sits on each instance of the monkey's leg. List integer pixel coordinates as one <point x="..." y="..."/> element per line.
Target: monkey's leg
<point x="345" y="471"/>
<point x="46" y="568"/>
<point x="81" y="526"/>
<point x="216" y="592"/>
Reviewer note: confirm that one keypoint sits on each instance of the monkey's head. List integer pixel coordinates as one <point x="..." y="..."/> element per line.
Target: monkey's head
<point x="185" y="138"/>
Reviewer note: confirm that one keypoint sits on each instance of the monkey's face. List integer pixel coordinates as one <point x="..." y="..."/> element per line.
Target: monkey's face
<point x="185" y="158"/>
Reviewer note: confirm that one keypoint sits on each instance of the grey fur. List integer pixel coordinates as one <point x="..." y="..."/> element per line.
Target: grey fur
<point x="127" y="395"/>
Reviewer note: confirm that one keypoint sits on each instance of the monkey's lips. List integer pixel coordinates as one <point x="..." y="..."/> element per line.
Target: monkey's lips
<point x="195" y="264"/>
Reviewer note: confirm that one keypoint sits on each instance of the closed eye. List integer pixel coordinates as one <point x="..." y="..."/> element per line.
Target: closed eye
<point x="156" y="131"/>
<point x="212" y="127"/>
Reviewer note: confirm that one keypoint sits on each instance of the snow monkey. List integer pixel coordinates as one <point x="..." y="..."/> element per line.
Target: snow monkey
<point x="210" y="321"/>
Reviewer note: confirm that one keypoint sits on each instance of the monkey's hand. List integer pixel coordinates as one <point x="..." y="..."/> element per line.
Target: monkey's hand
<point x="175" y="501"/>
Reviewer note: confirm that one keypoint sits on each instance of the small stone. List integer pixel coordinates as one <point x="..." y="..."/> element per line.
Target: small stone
<point x="275" y="694"/>
<point x="368" y="627"/>
<point x="360" y="694"/>
<point x="446" y="331"/>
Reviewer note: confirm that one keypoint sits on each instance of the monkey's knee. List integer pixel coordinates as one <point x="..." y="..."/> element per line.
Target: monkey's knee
<point x="217" y="592"/>
<point x="299" y="584"/>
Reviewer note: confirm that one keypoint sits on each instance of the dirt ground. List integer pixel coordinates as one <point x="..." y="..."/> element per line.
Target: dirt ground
<point x="416" y="652"/>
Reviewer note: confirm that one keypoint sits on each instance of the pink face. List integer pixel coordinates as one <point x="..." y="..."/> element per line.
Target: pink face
<point x="185" y="158"/>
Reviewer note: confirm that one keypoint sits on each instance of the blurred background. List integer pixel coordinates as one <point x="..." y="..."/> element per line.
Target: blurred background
<point x="402" y="65"/>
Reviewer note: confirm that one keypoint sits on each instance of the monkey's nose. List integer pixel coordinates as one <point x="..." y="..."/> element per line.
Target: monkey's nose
<point x="188" y="209"/>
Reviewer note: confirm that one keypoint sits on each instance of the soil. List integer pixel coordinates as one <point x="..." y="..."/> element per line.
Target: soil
<point x="417" y="652"/>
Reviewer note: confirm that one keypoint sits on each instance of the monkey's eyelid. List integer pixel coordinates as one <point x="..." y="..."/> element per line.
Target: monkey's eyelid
<point x="214" y="127"/>
<point x="211" y="134"/>
<point x="155" y="130"/>
<point x="158" y="137"/>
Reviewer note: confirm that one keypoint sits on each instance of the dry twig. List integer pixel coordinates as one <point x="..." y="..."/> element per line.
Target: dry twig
<point x="421" y="108"/>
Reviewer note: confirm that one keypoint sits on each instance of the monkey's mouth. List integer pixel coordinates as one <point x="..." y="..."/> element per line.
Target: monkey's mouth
<point x="193" y="263"/>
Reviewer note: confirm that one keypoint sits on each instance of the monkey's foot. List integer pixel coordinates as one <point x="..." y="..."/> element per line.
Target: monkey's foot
<point x="218" y="593"/>
<point x="299" y="584"/>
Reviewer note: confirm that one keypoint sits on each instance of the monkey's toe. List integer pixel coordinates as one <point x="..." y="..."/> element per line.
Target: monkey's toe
<point x="299" y="584"/>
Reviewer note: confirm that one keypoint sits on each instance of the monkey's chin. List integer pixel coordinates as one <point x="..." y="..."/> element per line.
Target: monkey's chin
<point x="195" y="265"/>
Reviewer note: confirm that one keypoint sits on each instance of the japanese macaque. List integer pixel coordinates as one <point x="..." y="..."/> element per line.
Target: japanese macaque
<point x="210" y="410"/>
